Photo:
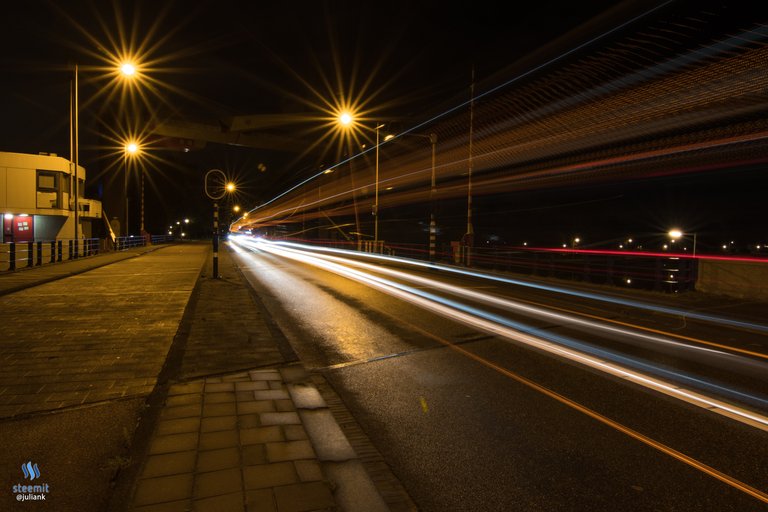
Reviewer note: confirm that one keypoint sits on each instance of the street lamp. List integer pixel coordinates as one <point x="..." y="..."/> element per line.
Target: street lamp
<point x="346" y="119"/>
<point x="216" y="186"/>
<point x="675" y="234"/>
<point x="131" y="149"/>
<point x="128" y="70"/>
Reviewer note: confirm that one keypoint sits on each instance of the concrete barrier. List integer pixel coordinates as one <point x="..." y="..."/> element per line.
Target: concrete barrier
<point x="742" y="279"/>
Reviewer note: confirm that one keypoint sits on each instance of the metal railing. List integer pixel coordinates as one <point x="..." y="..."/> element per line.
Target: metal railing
<point x="18" y="255"/>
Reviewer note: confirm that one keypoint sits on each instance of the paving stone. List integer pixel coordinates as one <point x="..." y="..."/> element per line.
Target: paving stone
<point x="183" y="411"/>
<point x="279" y="418"/>
<point x="214" y="460"/>
<point x="174" y="443"/>
<point x="261" y="500"/>
<point x="248" y="421"/>
<point x="187" y="387"/>
<point x="294" y="373"/>
<point x="285" y="405"/>
<point x="290" y="450"/>
<point x="218" y="398"/>
<point x="220" y="409"/>
<point x="254" y="454"/>
<point x="169" y="464"/>
<point x="219" y="387"/>
<point x="262" y="435"/>
<point x="217" y="423"/>
<point x="215" y="483"/>
<point x="187" y="399"/>
<point x="294" y="432"/>
<point x="222" y="439"/>
<point x="228" y="502"/>
<point x="177" y="426"/>
<point x="308" y="470"/>
<point x="251" y="386"/>
<point x="163" y="489"/>
<point x="244" y="396"/>
<point x="256" y="406"/>
<point x="305" y="396"/>
<point x="269" y="475"/>
<point x="304" y="497"/>
<point x="271" y="394"/>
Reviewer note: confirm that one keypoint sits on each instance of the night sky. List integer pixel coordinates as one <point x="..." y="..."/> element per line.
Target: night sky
<point x="208" y="60"/>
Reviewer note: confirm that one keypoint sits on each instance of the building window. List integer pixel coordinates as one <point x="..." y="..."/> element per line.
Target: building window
<point x="48" y="194"/>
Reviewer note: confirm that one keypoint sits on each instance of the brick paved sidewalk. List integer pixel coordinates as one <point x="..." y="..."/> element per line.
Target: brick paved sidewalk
<point x="235" y="443"/>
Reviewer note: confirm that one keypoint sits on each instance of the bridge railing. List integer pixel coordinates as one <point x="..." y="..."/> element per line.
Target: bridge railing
<point x="17" y="255"/>
<point x="652" y="272"/>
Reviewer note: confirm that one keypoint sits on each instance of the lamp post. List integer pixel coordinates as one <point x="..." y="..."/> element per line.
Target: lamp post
<point x="376" y="194"/>
<point x="674" y="234"/>
<point x="74" y="141"/>
<point x="131" y="149"/>
<point x="128" y="70"/>
<point x="216" y="188"/>
<point x="346" y="119"/>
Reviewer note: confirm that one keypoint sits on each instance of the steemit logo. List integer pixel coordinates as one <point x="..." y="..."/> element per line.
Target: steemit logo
<point x="30" y="492"/>
<point x="30" y="471"/>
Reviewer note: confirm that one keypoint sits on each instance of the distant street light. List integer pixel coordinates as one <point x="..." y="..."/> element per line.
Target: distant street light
<point x="675" y="234"/>
<point x="346" y="119"/>
<point x="131" y="149"/>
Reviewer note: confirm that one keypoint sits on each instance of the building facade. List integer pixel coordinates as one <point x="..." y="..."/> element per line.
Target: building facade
<point x="37" y="199"/>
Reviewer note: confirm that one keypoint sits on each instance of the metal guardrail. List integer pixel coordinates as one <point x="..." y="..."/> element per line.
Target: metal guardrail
<point x="20" y="255"/>
<point x="17" y="255"/>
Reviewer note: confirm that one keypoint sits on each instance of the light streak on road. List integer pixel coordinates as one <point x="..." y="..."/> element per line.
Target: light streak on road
<point x="514" y="331"/>
<point x="613" y="299"/>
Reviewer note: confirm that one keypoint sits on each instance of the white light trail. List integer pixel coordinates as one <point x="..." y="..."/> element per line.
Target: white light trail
<point x="450" y="310"/>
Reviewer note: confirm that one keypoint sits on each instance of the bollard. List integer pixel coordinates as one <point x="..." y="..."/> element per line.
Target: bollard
<point x="215" y="240"/>
<point x="12" y="256"/>
<point x="59" y="252"/>
<point x="30" y="253"/>
<point x="53" y="251"/>
<point x="39" y="253"/>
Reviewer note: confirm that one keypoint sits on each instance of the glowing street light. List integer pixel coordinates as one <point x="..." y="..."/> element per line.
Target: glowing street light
<point x="675" y="234"/>
<point x="128" y="69"/>
<point x="131" y="149"/>
<point x="346" y="120"/>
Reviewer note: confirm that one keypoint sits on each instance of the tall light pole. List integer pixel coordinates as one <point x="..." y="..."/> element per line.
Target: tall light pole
<point x="74" y="138"/>
<point x="216" y="186"/>
<point x="346" y="119"/>
<point x="126" y="69"/>
<point x="674" y="234"/>
<point x="131" y="149"/>
<point x="376" y="200"/>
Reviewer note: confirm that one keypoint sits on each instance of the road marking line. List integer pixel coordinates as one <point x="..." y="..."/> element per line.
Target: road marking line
<point x="709" y="470"/>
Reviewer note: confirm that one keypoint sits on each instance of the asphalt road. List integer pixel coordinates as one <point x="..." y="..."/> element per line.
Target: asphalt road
<point x="471" y="417"/>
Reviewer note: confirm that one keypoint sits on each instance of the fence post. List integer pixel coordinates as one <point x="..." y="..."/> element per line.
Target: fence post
<point x="30" y="253"/>
<point x="12" y="257"/>
<point x="53" y="251"/>
<point x="59" y="251"/>
<point x="76" y="249"/>
<point x="39" y="253"/>
<point x="70" y="249"/>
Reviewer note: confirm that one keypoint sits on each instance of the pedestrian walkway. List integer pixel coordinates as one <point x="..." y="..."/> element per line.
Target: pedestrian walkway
<point x="25" y="277"/>
<point x="146" y="384"/>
